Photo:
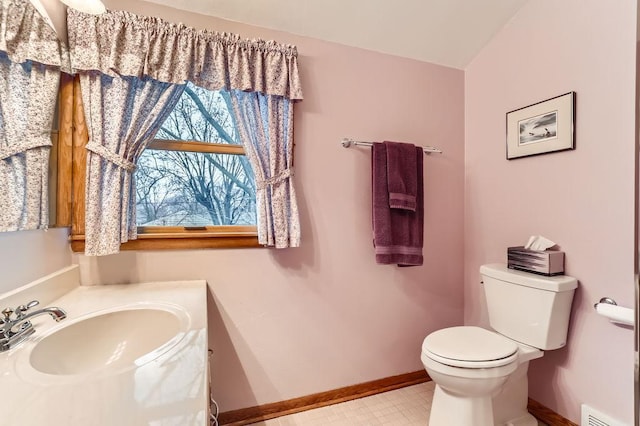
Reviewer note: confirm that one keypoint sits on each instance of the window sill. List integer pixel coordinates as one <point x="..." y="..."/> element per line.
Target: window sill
<point x="181" y="241"/>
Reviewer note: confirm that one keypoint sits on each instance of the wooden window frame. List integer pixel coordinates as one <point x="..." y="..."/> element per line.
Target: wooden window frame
<point x="70" y="198"/>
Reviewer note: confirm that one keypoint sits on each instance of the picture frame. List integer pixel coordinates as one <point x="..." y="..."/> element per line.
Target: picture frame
<point x="541" y="128"/>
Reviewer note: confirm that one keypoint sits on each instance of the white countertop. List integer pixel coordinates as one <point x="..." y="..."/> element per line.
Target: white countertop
<point x="169" y="390"/>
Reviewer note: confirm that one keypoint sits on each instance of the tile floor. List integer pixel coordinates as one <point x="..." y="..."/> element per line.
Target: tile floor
<point x="401" y="407"/>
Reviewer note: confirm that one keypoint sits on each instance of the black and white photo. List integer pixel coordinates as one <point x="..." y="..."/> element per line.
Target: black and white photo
<point x="543" y="127"/>
<point x="539" y="128"/>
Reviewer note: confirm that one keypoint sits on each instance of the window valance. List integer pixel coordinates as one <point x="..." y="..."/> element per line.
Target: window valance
<point x="122" y="43"/>
<point x="25" y="36"/>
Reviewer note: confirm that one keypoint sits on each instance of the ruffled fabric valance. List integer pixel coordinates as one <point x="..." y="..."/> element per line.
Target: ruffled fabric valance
<point x="122" y="43"/>
<point x="26" y="36"/>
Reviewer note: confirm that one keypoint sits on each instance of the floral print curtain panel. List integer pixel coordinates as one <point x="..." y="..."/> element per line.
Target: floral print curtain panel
<point x="27" y="103"/>
<point x="124" y="114"/>
<point x="263" y="75"/>
<point x="31" y="59"/>
<point x="265" y="126"/>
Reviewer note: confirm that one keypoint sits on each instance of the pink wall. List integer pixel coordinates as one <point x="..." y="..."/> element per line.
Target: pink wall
<point x="295" y="322"/>
<point x="582" y="199"/>
<point x="28" y="255"/>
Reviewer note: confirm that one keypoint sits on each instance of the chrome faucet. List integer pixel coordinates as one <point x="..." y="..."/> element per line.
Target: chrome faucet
<point x="15" y="327"/>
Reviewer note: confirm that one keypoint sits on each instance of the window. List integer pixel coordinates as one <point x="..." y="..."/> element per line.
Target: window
<point x="195" y="173"/>
<point x="195" y="187"/>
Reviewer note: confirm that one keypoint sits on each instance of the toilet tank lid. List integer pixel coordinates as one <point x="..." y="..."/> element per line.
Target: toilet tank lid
<point x="501" y="272"/>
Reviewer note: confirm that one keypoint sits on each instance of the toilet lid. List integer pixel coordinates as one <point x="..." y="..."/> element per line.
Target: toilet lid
<point x="469" y="347"/>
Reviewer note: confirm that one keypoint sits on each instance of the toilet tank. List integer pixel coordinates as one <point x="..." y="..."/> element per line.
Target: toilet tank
<point x="531" y="309"/>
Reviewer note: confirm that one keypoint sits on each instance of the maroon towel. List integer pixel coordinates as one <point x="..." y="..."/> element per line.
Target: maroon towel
<point x="397" y="233"/>
<point x="401" y="175"/>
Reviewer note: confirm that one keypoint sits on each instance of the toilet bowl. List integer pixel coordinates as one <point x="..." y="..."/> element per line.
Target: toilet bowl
<point x="475" y="371"/>
<point x="480" y="374"/>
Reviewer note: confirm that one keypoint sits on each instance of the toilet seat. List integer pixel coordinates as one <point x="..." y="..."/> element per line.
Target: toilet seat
<point x="469" y="347"/>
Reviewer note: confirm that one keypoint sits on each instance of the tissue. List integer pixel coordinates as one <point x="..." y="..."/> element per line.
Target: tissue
<point x="539" y="243"/>
<point x="534" y="257"/>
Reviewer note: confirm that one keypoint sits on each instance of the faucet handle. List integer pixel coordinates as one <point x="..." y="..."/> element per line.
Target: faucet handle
<point x="7" y="314"/>
<point x="29" y="305"/>
<point x="20" y="310"/>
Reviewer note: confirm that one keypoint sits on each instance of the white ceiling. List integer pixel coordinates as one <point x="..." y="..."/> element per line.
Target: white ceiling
<point x="445" y="32"/>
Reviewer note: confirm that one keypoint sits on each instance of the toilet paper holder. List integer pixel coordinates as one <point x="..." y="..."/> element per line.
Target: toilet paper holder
<point x="608" y="308"/>
<point x="606" y="300"/>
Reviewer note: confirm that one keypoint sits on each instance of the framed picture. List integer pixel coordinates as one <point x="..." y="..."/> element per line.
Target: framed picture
<point x="547" y="126"/>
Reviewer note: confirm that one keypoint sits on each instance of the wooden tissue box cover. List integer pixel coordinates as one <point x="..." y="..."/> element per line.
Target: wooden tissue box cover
<point x="548" y="262"/>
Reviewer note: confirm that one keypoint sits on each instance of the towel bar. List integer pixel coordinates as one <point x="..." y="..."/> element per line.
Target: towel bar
<point x="348" y="143"/>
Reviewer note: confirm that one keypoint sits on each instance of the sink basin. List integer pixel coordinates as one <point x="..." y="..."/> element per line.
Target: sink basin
<point x="112" y="340"/>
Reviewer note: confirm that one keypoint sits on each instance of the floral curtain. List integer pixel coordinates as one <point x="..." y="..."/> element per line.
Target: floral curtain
<point x="120" y="49"/>
<point x="31" y="58"/>
<point x="26" y="36"/>
<point x="27" y="102"/>
<point x="265" y="126"/>
<point x="124" y="114"/>
<point x="121" y="43"/>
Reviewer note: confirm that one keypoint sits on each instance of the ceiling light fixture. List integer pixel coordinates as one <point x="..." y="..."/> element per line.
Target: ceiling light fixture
<point x="94" y="7"/>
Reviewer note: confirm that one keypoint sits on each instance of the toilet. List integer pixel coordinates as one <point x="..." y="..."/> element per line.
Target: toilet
<point x="481" y="375"/>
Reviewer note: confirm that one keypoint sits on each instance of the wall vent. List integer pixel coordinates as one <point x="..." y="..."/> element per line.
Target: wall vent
<point x="593" y="417"/>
